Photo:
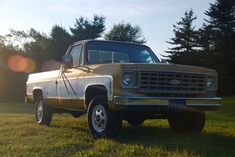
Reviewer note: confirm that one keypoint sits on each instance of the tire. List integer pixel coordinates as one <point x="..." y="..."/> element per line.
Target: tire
<point x="187" y="121"/>
<point x="43" y="113"/>
<point x="103" y="122"/>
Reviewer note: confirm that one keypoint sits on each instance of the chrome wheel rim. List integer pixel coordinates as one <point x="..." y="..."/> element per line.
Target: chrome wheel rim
<point x="39" y="111"/>
<point x="99" y="118"/>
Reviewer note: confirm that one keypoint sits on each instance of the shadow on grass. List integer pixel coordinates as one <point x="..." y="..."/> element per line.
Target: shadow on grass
<point x="19" y="108"/>
<point x="81" y="129"/>
<point x="206" y="144"/>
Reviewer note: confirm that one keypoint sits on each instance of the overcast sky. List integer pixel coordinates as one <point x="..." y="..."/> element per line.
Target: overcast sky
<point x="155" y="17"/>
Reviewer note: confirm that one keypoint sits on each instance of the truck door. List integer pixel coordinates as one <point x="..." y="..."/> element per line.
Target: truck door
<point x="67" y="82"/>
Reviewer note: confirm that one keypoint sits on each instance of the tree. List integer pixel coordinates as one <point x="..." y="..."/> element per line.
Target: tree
<point x="1" y="40"/>
<point x="126" y="32"/>
<point x="206" y="38"/>
<point x="222" y="23"/>
<point x="184" y="40"/>
<point x="60" y="41"/>
<point x="39" y="48"/>
<point x="42" y="47"/>
<point x="84" y="29"/>
<point x="15" y="40"/>
<point x="12" y="83"/>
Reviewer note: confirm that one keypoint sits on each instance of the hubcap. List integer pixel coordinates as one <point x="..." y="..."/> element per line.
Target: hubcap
<point x="39" y="111"/>
<point x="99" y="118"/>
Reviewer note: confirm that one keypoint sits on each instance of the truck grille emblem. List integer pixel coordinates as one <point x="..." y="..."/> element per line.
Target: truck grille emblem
<point x="174" y="82"/>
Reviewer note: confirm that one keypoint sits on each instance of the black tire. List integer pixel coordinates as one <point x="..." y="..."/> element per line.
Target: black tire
<point x="103" y="122"/>
<point x="43" y="113"/>
<point x="136" y="122"/>
<point x="187" y="121"/>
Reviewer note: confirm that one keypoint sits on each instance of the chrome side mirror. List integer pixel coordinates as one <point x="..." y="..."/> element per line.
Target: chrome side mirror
<point x="67" y="61"/>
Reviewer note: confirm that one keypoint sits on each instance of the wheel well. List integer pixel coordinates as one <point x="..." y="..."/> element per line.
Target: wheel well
<point x="92" y="92"/>
<point x="37" y="93"/>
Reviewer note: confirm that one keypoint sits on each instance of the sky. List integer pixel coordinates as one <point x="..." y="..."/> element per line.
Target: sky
<point x="155" y="17"/>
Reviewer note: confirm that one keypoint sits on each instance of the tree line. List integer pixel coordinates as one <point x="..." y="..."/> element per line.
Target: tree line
<point x="210" y="46"/>
<point x="42" y="48"/>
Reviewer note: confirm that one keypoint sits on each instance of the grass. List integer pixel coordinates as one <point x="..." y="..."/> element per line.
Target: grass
<point x="68" y="136"/>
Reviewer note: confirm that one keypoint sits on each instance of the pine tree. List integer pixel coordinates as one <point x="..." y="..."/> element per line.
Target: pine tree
<point x="205" y="39"/>
<point x="84" y="29"/>
<point x="184" y="40"/>
<point x="222" y="23"/>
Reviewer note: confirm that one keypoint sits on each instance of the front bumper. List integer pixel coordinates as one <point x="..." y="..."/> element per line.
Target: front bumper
<point x="165" y="103"/>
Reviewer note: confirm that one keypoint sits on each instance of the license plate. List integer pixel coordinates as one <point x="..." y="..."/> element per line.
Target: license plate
<point x="177" y="105"/>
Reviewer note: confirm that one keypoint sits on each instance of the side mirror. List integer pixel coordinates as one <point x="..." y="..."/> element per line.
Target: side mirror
<point x="67" y="61"/>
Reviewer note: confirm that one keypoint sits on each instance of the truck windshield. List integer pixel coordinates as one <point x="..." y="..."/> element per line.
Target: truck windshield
<point x="100" y="52"/>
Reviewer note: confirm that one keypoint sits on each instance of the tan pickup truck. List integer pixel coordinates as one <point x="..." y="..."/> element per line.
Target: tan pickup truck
<point x="114" y="81"/>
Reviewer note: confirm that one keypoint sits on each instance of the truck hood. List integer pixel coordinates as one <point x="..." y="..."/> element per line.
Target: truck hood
<point x="168" y="67"/>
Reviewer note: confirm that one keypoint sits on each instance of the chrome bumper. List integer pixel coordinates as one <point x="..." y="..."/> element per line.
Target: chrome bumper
<point x="165" y="103"/>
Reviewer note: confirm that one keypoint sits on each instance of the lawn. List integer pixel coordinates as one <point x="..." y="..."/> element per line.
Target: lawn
<point x="68" y="136"/>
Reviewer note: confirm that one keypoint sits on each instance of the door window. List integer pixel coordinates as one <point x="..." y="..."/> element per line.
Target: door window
<point x="76" y="53"/>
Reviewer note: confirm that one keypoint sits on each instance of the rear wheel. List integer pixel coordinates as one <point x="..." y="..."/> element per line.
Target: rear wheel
<point x="188" y="121"/>
<point x="43" y="113"/>
<point x="102" y="121"/>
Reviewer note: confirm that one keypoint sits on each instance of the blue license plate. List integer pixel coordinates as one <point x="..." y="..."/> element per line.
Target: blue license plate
<point x="177" y="105"/>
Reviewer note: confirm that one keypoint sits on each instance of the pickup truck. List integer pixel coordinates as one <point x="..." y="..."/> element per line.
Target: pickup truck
<point x="114" y="81"/>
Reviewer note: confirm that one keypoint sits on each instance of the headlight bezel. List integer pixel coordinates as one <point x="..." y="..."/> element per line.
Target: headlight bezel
<point x="129" y="79"/>
<point x="211" y="83"/>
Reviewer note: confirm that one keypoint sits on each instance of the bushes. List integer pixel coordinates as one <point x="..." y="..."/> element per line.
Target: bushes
<point x="12" y="84"/>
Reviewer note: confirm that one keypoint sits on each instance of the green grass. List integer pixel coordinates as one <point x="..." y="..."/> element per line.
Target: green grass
<point x="68" y="136"/>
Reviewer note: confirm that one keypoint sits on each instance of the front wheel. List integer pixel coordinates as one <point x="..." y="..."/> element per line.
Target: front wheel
<point x="102" y="121"/>
<point x="43" y="113"/>
<point x="187" y="121"/>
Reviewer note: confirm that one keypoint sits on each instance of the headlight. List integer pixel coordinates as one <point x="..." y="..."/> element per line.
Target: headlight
<point x="129" y="79"/>
<point x="210" y="83"/>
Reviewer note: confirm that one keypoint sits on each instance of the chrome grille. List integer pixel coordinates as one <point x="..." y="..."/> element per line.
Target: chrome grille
<point x="171" y="82"/>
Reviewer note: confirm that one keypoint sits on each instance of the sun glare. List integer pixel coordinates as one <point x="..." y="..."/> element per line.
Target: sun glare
<point x="21" y="64"/>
